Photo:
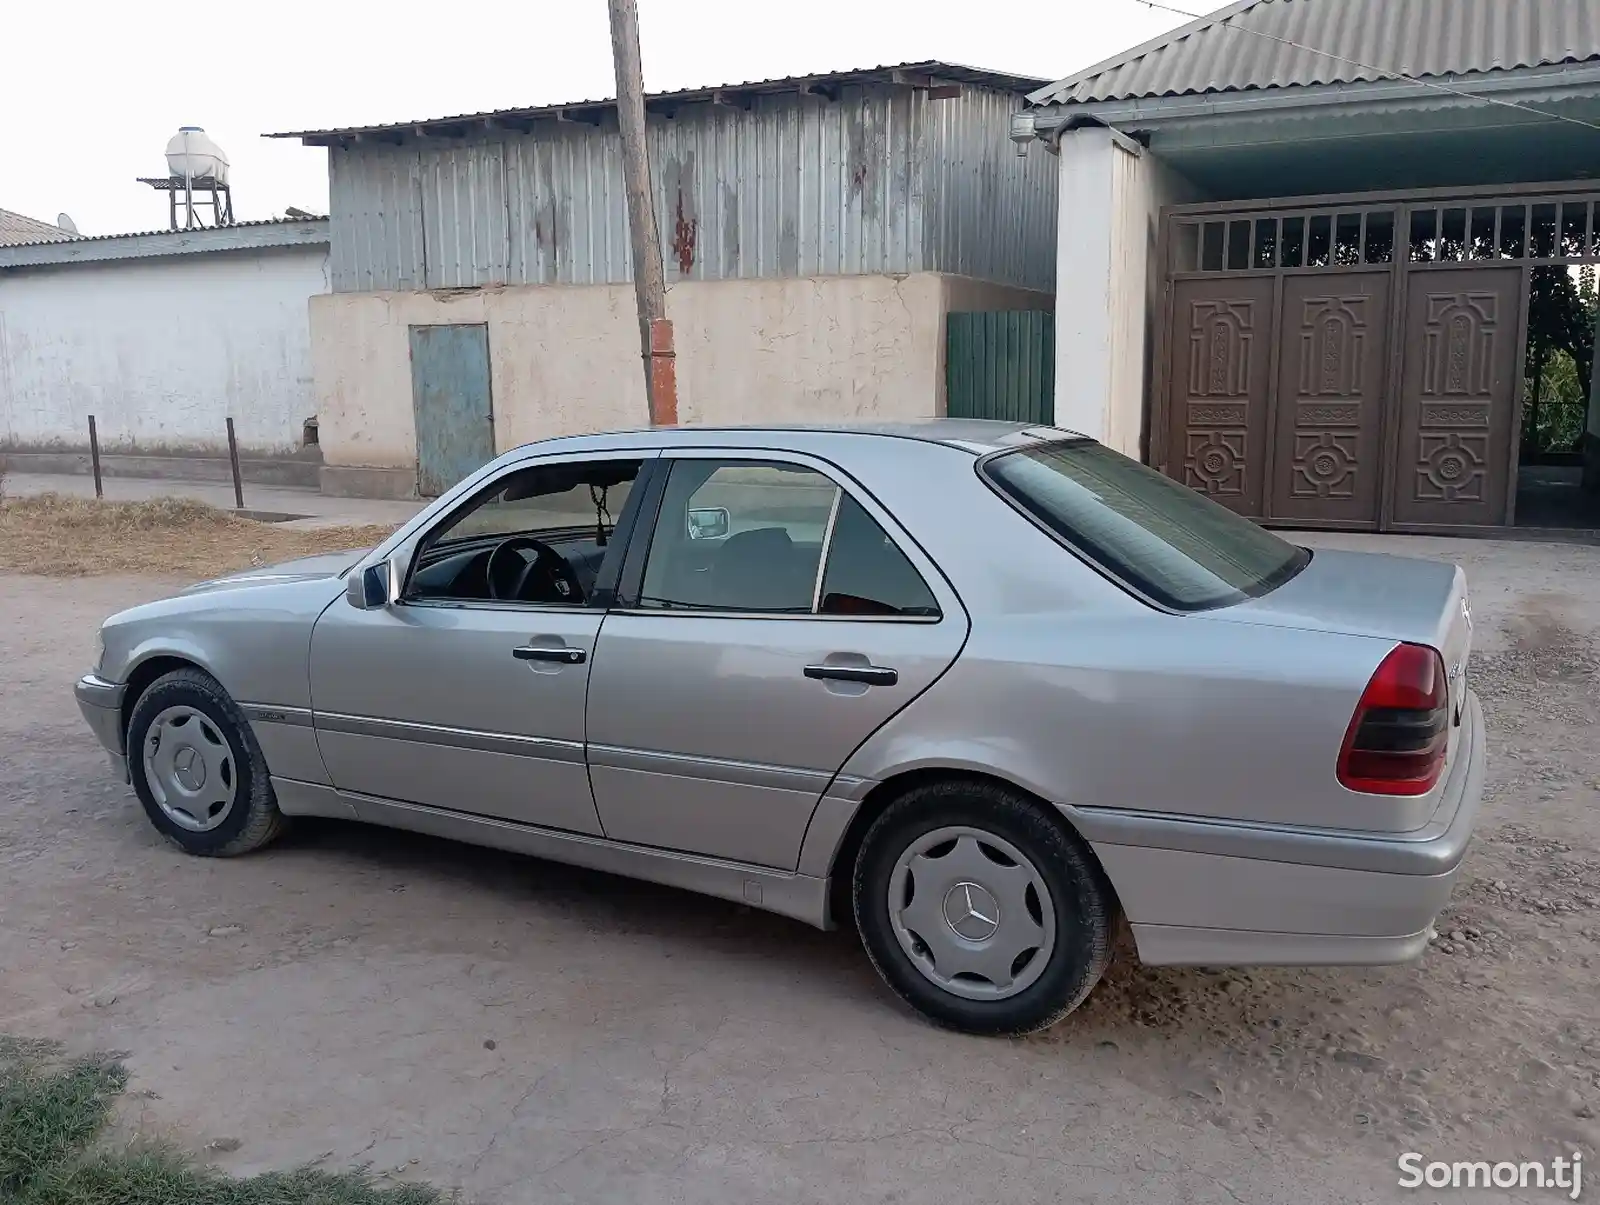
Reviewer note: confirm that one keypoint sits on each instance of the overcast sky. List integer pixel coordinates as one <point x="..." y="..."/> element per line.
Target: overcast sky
<point x="92" y="89"/>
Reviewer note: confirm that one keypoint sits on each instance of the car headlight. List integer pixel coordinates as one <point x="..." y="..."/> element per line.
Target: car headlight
<point x="99" y="649"/>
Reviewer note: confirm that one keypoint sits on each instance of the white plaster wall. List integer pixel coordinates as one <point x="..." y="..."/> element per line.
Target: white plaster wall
<point x="565" y="359"/>
<point x="1083" y="281"/>
<point x="1108" y="282"/>
<point x="160" y="351"/>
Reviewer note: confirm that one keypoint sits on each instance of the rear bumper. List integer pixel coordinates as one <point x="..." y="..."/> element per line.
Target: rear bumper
<point x="1203" y="893"/>
<point x="101" y="704"/>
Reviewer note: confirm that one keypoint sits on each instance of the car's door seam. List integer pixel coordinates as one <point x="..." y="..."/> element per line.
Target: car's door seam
<point x="311" y="690"/>
<point x="588" y="687"/>
<point x="890" y="718"/>
<point x="648" y="471"/>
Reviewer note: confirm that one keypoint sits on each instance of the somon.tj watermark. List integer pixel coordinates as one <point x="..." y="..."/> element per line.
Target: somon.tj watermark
<point x="1417" y="1171"/>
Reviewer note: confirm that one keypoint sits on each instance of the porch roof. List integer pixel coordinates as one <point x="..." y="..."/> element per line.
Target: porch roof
<point x="1488" y="92"/>
<point x="1253" y="45"/>
<point x="1356" y="143"/>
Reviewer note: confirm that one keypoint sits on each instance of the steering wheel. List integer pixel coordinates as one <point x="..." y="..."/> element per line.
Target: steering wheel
<point x="511" y="574"/>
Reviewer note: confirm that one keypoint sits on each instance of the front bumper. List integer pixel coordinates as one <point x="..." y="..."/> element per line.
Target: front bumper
<point x="101" y="704"/>
<point x="1200" y="893"/>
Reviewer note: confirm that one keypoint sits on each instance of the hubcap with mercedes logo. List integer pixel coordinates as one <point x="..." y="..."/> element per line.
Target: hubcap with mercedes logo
<point x="189" y="768"/>
<point x="972" y="912"/>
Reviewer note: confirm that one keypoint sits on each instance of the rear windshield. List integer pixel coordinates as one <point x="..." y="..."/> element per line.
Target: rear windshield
<point x="1178" y="548"/>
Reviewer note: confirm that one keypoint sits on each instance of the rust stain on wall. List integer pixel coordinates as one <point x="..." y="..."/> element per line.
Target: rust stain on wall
<point x="685" y="232"/>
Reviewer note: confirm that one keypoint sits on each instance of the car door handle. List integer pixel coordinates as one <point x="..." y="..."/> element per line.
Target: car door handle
<point x="870" y="675"/>
<point x="561" y="653"/>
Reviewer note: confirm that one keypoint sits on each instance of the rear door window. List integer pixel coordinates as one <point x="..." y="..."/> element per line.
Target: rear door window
<point x="1165" y="541"/>
<point x="867" y="575"/>
<point x="740" y="536"/>
<point x="767" y="537"/>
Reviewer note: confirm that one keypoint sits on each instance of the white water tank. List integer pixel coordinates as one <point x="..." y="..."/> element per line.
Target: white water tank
<point x="190" y="153"/>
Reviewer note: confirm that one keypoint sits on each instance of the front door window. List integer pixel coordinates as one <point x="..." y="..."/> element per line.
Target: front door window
<point x="537" y="536"/>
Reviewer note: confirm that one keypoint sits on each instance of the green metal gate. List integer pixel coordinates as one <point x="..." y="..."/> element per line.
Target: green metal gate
<point x="1001" y="364"/>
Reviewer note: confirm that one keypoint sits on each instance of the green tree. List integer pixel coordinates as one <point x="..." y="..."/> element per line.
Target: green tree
<point x="1561" y="324"/>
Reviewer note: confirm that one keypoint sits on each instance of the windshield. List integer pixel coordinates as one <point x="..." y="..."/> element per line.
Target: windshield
<point x="1177" y="547"/>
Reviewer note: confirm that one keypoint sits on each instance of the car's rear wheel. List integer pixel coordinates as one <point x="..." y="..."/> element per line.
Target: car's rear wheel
<point x="197" y="768"/>
<point x="980" y="910"/>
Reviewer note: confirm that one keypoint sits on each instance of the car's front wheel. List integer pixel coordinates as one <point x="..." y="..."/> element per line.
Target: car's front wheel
<point x="980" y="910"/>
<point x="197" y="768"/>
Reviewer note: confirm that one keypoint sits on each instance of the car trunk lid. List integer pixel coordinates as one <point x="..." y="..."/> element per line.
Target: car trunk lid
<point x="1371" y="594"/>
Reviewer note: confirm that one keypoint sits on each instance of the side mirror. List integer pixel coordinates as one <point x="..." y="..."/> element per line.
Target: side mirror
<point x="709" y="523"/>
<point x="375" y="585"/>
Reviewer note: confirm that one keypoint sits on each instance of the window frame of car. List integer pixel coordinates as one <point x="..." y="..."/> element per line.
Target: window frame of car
<point x="419" y="541"/>
<point x="648" y="518"/>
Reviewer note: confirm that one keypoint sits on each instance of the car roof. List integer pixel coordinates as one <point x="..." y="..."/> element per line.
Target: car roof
<point x="976" y="435"/>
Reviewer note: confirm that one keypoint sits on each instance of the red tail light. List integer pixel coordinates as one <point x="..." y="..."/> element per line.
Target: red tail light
<point x="1397" y="738"/>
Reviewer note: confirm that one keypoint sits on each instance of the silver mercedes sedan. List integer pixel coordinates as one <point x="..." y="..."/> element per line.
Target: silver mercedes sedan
<point x="978" y="688"/>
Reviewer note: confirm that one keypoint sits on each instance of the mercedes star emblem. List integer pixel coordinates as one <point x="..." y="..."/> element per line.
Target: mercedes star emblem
<point x="971" y="912"/>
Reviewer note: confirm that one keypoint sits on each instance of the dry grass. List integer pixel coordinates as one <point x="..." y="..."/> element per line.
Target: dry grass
<point x="59" y="536"/>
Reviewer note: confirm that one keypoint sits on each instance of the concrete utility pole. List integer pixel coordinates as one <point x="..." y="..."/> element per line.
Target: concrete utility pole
<point x="655" y="331"/>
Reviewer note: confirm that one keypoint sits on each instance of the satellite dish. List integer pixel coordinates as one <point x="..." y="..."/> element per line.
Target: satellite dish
<point x="66" y="223"/>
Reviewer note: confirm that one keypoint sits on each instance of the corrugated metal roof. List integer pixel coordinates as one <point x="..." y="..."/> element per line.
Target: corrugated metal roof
<point x="151" y="244"/>
<point x="63" y="236"/>
<point x="18" y="229"/>
<point x="927" y="72"/>
<point x="1421" y="38"/>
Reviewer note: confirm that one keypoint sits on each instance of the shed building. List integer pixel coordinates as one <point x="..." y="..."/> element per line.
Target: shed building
<point x="816" y="231"/>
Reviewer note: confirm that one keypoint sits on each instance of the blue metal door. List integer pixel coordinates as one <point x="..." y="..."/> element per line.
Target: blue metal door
<point x="450" y="396"/>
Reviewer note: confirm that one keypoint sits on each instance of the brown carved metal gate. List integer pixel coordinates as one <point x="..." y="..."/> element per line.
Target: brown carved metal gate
<point x="1356" y="362"/>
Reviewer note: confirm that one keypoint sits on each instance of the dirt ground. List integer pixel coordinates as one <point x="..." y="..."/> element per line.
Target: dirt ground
<point x="527" y="1032"/>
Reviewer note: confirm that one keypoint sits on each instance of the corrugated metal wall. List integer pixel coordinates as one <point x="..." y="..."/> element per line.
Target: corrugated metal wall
<point x="881" y="180"/>
<point x="375" y="220"/>
<point x="993" y="211"/>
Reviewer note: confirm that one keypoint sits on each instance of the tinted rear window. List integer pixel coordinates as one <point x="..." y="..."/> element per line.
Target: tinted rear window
<point x="1177" y="547"/>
